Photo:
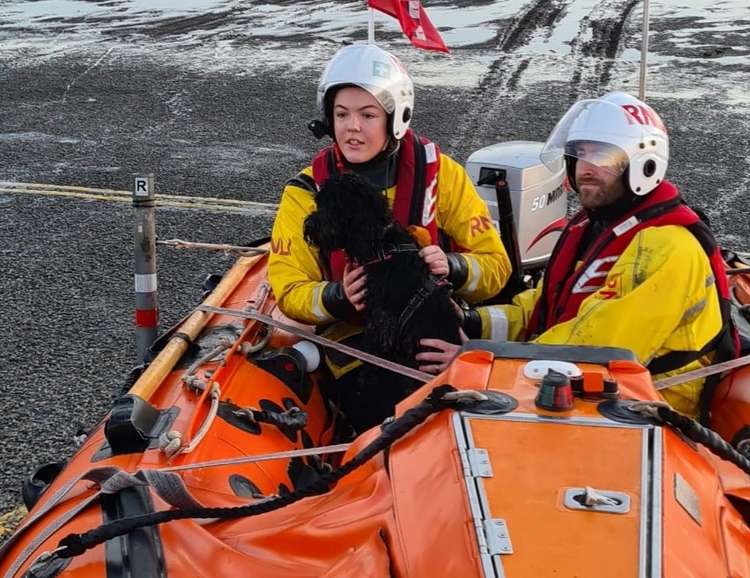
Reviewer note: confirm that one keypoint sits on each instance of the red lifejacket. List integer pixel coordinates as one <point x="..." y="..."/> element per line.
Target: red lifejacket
<point x="567" y="283"/>
<point x="415" y="202"/>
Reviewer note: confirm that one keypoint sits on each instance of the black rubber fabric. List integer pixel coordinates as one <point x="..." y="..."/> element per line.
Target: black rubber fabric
<point x="458" y="269"/>
<point x="572" y="353"/>
<point x="335" y="301"/>
<point x="472" y="324"/>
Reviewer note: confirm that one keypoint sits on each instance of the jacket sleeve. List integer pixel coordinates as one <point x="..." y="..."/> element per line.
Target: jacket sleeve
<point x="294" y="269"/>
<point x="659" y="296"/>
<point x="482" y="268"/>
<point x="507" y="322"/>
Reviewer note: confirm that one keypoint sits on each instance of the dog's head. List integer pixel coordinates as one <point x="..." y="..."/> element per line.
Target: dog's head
<point x="351" y="214"/>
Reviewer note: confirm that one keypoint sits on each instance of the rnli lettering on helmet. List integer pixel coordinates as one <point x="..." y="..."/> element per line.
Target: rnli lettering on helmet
<point x="592" y="278"/>
<point x="644" y="115"/>
<point x="281" y="247"/>
<point x="381" y="69"/>
<point x="479" y="225"/>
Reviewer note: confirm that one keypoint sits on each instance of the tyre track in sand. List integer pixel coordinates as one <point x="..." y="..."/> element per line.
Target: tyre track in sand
<point x="502" y="77"/>
<point x="593" y="53"/>
<point x="595" y="48"/>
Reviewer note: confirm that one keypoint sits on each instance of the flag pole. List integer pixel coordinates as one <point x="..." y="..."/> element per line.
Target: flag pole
<point x="371" y="27"/>
<point x="644" y="51"/>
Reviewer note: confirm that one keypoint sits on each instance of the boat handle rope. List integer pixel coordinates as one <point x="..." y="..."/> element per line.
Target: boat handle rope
<point x="690" y="428"/>
<point x="215" y="396"/>
<point x="76" y="544"/>
<point x="327" y="343"/>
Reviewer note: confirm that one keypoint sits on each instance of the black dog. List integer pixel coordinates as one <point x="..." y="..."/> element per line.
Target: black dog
<point x="403" y="301"/>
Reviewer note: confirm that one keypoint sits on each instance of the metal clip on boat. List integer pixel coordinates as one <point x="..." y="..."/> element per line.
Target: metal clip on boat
<point x="555" y="392"/>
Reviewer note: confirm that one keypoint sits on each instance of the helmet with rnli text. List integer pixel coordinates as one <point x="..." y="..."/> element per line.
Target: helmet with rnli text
<point x="616" y="132"/>
<point x="376" y="71"/>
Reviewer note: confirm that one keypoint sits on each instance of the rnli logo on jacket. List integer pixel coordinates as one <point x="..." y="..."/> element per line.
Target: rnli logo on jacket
<point x="593" y="277"/>
<point x="479" y="225"/>
<point x="281" y="247"/>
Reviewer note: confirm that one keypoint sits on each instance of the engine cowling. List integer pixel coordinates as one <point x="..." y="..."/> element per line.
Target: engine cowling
<point x="538" y="199"/>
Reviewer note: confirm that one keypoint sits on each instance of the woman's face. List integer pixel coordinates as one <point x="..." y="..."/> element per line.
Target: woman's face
<point x="359" y="124"/>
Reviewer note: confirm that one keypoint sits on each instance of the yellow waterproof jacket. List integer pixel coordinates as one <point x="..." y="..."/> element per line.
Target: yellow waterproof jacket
<point x="296" y="274"/>
<point x="666" y="300"/>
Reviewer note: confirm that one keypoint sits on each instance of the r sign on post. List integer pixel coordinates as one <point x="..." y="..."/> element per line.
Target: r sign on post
<point x="142" y="188"/>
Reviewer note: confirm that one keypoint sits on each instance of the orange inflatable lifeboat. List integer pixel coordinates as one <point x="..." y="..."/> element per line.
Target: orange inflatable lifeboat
<point x="519" y="461"/>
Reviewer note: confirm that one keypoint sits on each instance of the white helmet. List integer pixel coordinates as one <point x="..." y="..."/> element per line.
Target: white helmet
<point x="376" y="71"/>
<point x="629" y="139"/>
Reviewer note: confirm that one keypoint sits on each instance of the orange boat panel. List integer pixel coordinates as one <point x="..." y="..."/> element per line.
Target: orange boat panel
<point x="736" y="543"/>
<point x="692" y="499"/>
<point x="548" y="539"/>
<point x="730" y="410"/>
<point x="431" y="505"/>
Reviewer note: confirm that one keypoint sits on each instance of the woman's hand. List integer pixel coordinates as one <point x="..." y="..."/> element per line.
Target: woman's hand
<point x="436" y="260"/>
<point x="443" y="353"/>
<point x="354" y="285"/>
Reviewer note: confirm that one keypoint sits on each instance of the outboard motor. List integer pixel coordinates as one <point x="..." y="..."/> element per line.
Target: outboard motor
<point x="526" y="200"/>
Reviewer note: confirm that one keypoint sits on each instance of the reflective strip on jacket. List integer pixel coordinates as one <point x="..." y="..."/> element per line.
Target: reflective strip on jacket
<point x="296" y="275"/>
<point x="659" y="296"/>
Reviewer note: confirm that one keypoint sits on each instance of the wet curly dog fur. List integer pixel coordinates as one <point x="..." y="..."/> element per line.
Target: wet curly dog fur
<point x="354" y="216"/>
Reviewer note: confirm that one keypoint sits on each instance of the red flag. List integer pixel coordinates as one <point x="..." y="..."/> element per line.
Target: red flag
<point x="414" y="22"/>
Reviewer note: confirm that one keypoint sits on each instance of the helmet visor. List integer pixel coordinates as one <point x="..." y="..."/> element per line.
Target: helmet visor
<point x="604" y="155"/>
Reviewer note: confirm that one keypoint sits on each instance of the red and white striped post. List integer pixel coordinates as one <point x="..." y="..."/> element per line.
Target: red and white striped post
<point x="146" y="310"/>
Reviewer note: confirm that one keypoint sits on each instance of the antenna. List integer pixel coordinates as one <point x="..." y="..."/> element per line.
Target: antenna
<point x="644" y="51"/>
<point x="371" y="27"/>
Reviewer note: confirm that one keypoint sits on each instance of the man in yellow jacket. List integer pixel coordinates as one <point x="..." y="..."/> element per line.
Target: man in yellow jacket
<point x="366" y="98"/>
<point x="635" y="268"/>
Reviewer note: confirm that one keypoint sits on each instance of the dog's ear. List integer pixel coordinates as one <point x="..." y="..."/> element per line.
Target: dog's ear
<point x="319" y="233"/>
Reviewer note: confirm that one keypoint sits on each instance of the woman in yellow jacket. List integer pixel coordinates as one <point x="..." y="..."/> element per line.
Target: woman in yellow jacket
<point x="366" y="98"/>
<point x="635" y="268"/>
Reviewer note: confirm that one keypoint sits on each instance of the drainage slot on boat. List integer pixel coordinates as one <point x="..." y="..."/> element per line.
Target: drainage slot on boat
<point x="244" y="488"/>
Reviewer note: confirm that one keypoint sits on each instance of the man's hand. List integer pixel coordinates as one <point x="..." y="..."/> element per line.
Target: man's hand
<point x="436" y="260"/>
<point x="354" y="285"/>
<point x="443" y="353"/>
